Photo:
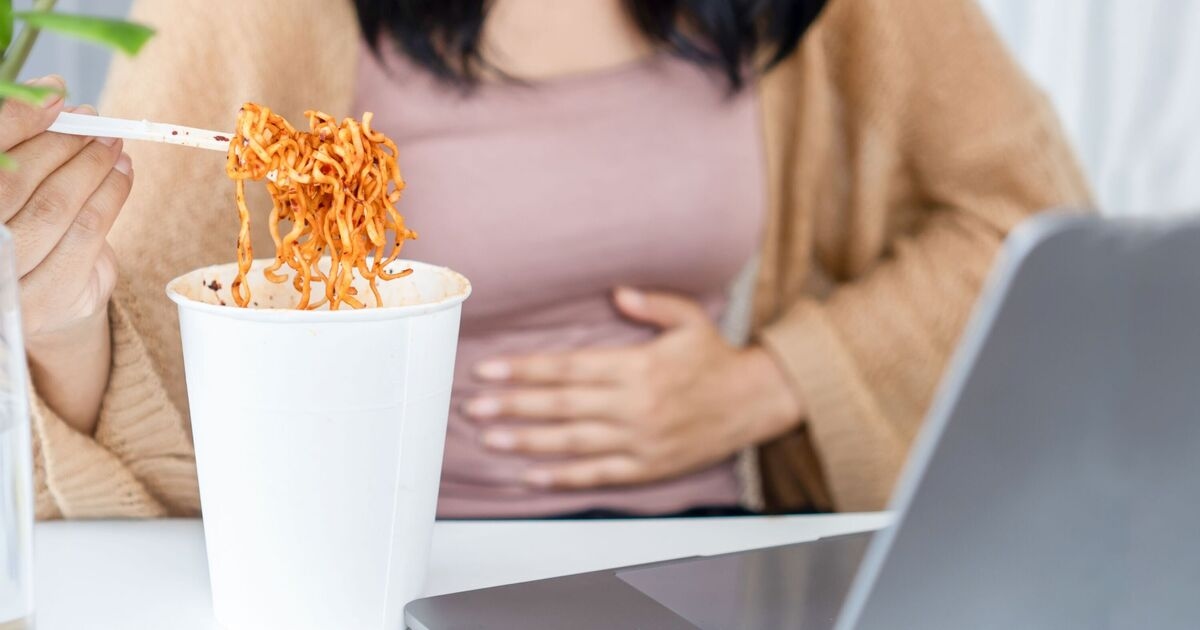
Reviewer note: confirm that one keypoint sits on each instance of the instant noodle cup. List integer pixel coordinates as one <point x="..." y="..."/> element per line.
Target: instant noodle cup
<point x="319" y="439"/>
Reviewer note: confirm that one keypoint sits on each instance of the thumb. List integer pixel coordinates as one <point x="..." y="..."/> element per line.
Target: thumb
<point x="665" y="310"/>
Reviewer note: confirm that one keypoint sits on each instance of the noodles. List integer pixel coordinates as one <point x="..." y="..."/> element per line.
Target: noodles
<point x="332" y="185"/>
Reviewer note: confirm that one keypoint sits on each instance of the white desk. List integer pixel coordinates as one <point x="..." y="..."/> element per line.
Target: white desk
<point x="151" y="575"/>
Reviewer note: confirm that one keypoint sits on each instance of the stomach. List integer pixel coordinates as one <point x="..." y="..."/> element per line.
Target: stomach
<point x="481" y="483"/>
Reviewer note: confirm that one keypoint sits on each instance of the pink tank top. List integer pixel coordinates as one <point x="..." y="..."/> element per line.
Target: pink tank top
<point x="546" y="196"/>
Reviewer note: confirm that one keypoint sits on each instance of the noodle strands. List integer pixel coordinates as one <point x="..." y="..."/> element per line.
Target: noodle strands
<point x="333" y="192"/>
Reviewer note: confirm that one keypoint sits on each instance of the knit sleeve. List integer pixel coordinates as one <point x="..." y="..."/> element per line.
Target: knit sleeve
<point x="206" y="59"/>
<point x="139" y="462"/>
<point x="939" y="117"/>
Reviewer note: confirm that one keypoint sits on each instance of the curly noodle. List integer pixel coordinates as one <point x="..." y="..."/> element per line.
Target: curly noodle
<point x="331" y="184"/>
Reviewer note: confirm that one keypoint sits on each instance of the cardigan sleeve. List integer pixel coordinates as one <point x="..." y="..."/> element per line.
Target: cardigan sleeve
<point x="971" y="149"/>
<point x="139" y="462"/>
<point x="206" y="59"/>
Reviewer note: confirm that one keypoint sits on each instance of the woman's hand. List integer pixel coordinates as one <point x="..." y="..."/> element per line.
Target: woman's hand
<point x="59" y="203"/>
<point x="684" y="401"/>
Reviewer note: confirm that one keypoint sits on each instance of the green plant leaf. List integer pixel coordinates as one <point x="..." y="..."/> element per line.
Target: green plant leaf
<point x="6" y="25"/>
<point x="124" y="36"/>
<point x="7" y="163"/>
<point x="32" y="94"/>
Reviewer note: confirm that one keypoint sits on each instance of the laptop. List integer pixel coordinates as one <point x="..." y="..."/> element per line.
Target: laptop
<point x="1055" y="483"/>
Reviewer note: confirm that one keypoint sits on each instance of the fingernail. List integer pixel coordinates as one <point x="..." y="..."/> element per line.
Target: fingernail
<point x="483" y="407"/>
<point x="502" y="440"/>
<point x="493" y="370"/>
<point x="51" y="81"/>
<point x="538" y="478"/>
<point x="630" y="298"/>
<point x="86" y="110"/>
<point x="124" y="164"/>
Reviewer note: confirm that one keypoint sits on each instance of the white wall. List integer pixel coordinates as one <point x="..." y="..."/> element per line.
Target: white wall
<point x="83" y="65"/>
<point x="1124" y="75"/>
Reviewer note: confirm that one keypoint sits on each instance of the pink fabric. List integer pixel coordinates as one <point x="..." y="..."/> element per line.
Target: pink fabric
<point x="548" y="195"/>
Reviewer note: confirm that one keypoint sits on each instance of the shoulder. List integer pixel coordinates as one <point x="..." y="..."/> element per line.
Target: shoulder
<point x="868" y="51"/>
<point x="883" y="29"/>
<point x="209" y="56"/>
<point x="252" y="19"/>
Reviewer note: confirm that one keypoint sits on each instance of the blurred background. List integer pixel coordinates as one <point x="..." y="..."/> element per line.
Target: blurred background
<point x="1124" y="76"/>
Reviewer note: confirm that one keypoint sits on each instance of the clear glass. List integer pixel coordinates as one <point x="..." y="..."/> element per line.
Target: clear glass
<point x="16" y="453"/>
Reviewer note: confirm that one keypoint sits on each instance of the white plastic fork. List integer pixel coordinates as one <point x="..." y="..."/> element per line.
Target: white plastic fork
<point x="101" y="127"/>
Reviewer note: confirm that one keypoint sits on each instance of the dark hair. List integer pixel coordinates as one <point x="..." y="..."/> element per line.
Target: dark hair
<point x="443" y="35"/>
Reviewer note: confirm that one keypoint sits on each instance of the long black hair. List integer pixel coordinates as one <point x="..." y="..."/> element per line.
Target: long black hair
<point x="443" y="36"/>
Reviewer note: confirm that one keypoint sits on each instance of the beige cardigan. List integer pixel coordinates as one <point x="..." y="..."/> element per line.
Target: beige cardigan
<point x="903" y="143"/>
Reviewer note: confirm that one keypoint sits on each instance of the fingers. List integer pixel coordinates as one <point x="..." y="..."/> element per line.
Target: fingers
<point x="664" y="310"/>
<point x="75" y="277"/>
<point x="582" y="367"/>
<point x="576" y="438"/>
<point x="605" y="470"/>
<point x="61" y="201"/>
<point x="36" y="159"/>
<point x="547" y="404"/>
<point x="21" y="121"/>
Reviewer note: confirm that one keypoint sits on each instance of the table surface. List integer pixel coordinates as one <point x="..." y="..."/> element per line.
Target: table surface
<point x="152" y="575"/>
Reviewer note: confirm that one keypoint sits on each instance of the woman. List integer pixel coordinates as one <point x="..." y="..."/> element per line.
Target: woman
<point x="562" y="155"/>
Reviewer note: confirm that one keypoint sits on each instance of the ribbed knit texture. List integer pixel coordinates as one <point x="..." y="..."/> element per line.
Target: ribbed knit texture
<point x="902" y="142"/>
<point x="913" y="146"/>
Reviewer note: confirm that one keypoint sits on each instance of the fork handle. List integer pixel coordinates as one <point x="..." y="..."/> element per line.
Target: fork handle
<point x="99" y="126"/>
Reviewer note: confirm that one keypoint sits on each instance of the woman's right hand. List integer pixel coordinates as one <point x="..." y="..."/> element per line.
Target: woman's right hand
<point x="59" y="204"/>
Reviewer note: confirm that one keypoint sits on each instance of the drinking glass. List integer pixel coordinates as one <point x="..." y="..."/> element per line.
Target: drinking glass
<point x="16" y="466"/>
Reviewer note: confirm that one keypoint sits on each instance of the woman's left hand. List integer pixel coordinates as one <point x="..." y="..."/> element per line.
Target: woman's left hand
<point x="685" y="400"/>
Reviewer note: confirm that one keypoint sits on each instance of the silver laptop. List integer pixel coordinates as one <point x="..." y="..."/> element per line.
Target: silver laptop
<point x="1056" y="483"/>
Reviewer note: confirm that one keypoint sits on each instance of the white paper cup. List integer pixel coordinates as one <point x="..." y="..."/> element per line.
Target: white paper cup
<point x="319" y="439"/>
